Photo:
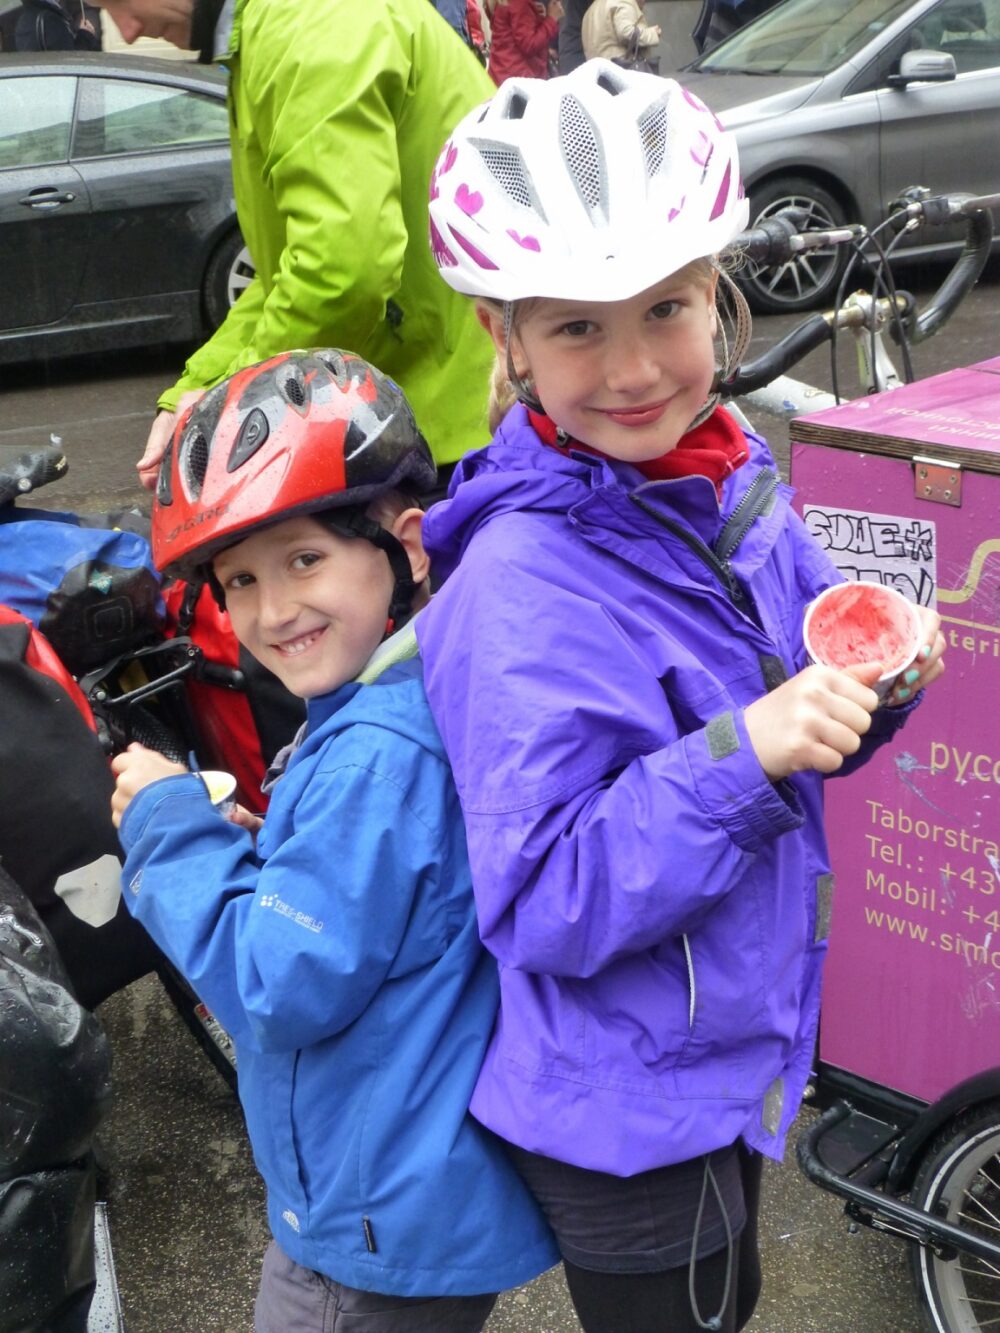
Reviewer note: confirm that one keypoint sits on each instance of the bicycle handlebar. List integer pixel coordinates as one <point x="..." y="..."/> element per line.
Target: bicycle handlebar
<point x="778" y="239"/>
<point x="961" y="277"/>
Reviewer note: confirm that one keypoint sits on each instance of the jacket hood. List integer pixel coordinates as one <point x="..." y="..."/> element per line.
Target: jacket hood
<point x="517" y="473"/>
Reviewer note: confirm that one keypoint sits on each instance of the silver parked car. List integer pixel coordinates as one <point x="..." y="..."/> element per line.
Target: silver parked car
<point x="839" y="104"/>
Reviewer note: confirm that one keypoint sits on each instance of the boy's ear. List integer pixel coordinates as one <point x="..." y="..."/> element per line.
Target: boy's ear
<point x="407" y="528"/>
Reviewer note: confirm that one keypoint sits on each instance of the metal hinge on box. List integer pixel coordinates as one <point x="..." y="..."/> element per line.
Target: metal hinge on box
<point x="937" y="481"/>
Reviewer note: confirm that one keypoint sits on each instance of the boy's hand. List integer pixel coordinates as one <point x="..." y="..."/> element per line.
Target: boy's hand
<point x="134" y="769"/>
<point x="246" y="819"/>
<point x="813" y="720"/>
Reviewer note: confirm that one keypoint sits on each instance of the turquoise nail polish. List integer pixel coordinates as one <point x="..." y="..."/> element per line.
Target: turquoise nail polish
<point x="925" y="650"/>
<point x="911" y="676"/>
<point x="902" y="695"/>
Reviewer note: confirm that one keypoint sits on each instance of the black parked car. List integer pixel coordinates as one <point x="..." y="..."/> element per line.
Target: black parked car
<point x="117" y="220"/>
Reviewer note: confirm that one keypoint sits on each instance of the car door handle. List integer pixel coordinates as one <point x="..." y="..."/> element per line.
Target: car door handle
<point x="46" y="198"/>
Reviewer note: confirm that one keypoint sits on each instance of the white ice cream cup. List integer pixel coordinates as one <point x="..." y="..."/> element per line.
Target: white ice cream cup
<point x="858" y="622"/>
<point x="221" y="788"/>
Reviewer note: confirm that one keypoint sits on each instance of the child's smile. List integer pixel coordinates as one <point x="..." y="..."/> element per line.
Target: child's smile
<point x="625" y="377"/>
<point x="308" y="604"/>
<point x="634" y="417"/>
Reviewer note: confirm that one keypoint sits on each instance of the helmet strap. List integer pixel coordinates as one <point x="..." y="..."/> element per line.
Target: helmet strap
<point x="355" y="523"/>
<point x="524" y="389"/>
<point x="733" y="309"/>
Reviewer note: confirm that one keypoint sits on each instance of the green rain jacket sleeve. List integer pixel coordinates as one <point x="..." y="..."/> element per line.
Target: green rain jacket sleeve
<point x="317" y="116"/>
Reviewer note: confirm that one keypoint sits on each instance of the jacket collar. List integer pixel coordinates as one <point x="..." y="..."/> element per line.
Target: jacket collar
<point x="517" y="473"/>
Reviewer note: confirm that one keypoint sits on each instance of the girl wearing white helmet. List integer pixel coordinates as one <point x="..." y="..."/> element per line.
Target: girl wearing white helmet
<point x="615" y="663"/>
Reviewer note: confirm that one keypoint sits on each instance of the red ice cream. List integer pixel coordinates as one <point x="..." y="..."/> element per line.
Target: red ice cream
<point x="862" y="622"/>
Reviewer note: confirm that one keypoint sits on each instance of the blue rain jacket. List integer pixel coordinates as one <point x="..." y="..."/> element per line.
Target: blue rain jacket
<point x="344" y="961"/>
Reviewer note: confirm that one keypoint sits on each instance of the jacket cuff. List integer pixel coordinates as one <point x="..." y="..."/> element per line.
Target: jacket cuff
<point x="733" y="787"/>
<point x="143" y="805"/>
<point x="887" y="721"/>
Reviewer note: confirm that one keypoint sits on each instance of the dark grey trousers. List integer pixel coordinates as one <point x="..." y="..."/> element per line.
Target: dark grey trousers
<point x="293" y="1299"/>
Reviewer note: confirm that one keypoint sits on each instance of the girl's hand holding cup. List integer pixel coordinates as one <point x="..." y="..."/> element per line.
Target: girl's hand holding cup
<point x="813" y="721"/>
<point x="871" y="647"/>
<point x="928" y="664"/>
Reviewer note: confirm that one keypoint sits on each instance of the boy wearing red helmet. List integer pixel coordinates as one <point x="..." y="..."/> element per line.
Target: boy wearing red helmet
<point x="341" y="951"/>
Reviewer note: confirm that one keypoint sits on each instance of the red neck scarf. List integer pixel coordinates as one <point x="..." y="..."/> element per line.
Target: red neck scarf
<point x="715" y="449"/>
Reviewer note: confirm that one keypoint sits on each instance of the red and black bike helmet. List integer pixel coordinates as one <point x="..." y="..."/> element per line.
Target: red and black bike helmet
<point x="320" y="432"/>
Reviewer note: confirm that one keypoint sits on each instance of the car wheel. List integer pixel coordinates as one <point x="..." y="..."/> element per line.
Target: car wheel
<point x="229" y="271"/>
<point x="811" y="278"/>
<point x="959" y="1180"/>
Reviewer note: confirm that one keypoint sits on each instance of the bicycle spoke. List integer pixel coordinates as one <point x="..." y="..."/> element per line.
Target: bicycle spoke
<point x="987" y="1271"/>
<point x="974" y="1199"/>
<point x="978" y="1221"/>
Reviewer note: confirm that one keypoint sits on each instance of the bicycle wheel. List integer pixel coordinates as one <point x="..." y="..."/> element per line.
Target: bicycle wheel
<point x="206" y="1029"/>
<point x="959" y="1180"/>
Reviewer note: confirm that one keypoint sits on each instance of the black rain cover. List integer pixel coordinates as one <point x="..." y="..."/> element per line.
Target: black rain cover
<point x="55" y="1084"/>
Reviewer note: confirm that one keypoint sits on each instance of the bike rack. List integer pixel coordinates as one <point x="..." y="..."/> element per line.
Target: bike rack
<point x="881" y="1212"/>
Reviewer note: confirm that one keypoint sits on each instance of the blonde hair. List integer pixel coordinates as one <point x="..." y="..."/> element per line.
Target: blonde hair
<point x="504" y="394"/>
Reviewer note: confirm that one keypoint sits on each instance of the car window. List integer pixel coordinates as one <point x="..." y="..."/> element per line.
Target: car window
<point x="35" y="119"/>
<point x="802" y="37"/>
<point x="969" y="30"/>
<point x="119" y="116"/>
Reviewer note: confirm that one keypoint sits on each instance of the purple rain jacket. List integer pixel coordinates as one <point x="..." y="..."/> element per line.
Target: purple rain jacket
<point x="658" y="907"/>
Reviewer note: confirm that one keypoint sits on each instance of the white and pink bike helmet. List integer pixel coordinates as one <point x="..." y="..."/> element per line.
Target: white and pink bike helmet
<point x="591" y="186"/>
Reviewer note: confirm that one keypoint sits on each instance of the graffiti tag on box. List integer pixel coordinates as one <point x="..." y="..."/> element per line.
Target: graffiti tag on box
<point x="879" y="548"/>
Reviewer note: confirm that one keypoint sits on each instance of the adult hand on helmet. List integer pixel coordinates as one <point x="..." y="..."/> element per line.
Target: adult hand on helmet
<point x="813" y="721"/>
<point x="159" y="437"/>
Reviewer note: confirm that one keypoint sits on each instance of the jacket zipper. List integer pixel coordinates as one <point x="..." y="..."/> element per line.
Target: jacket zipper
<point x="718" y="557"/>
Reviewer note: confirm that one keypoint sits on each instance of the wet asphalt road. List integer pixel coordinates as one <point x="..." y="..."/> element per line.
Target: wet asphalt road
<point x="185" y="1204"/>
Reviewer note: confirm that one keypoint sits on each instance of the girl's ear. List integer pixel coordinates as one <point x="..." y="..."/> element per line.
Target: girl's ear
<point x="492" y="322"/>
<point x="407" y="528"/>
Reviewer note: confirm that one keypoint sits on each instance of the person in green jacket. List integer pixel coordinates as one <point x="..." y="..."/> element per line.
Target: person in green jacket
<point x="337" y="113"/>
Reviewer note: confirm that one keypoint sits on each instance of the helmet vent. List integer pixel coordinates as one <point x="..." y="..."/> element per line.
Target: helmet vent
<point x="295" y="390"/>
<point x="336" y="365"/>
<point x="653" y="133"/>
<point x="164" y="492"/>
<point x="610" y="84"/>
<point x="517" y="106"/>
<point x="507" y="168"/>
<point x="253" y="431"/>
<point x="584" y="156"/>
<point x="194" y="462"/>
